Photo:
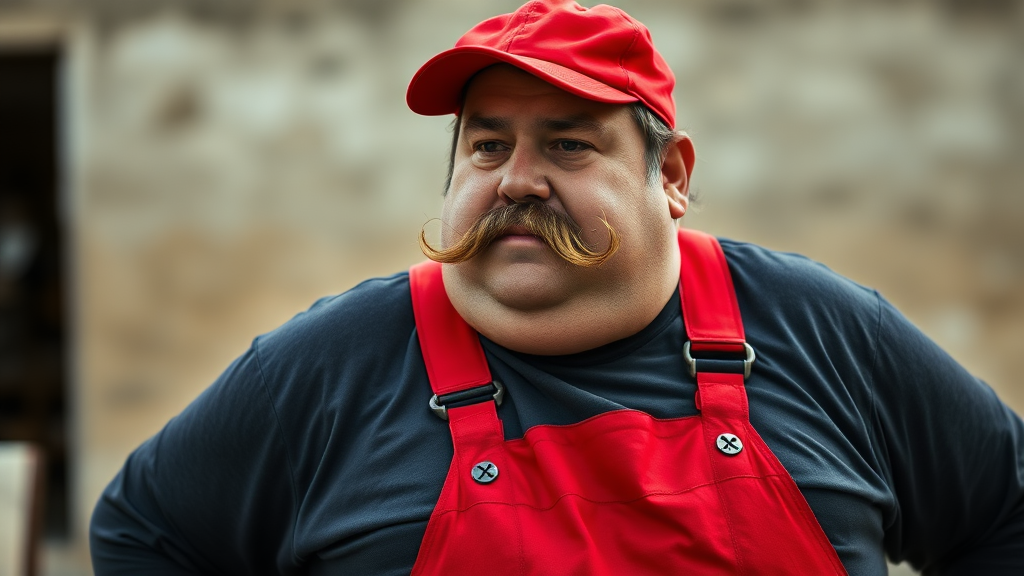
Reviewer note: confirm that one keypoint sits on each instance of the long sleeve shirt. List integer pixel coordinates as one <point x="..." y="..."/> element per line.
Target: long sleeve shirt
<point x="315" y="452"/>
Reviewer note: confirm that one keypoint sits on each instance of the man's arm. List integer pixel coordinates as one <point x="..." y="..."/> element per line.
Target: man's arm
<point x="212" y="493"/>
<point x="955" y="457"/>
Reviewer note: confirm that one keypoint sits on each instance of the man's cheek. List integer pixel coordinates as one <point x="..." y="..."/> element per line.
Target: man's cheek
<point x="457" y="216"/>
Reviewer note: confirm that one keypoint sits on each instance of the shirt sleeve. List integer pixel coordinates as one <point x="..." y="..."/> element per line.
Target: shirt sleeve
<point x="954" y="455"/>
<point x="212" y="493"/>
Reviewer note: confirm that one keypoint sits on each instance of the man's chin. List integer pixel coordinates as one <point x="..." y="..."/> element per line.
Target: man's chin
<point x="519" y="283"/>
<point x="518" y="249"/>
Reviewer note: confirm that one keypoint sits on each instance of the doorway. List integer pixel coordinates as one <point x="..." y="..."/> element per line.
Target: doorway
<point x="33" y="330"/>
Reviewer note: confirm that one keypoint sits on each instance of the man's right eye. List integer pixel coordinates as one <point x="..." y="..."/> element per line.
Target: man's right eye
<point x="490" y="147"/>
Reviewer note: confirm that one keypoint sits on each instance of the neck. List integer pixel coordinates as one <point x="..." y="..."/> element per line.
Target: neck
<point x="610" y="312"/>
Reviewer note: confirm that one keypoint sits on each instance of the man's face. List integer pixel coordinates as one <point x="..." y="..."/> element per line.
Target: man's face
<point x="524" y="140"/>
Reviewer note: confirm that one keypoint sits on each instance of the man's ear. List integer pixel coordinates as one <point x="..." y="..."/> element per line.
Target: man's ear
<point x="675" y="174"/>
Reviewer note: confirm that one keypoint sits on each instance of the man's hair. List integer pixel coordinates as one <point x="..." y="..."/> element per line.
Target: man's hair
<point x="657" y="138"/>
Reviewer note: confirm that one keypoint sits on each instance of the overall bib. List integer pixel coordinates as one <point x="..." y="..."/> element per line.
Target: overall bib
<point x="621" y="493"/>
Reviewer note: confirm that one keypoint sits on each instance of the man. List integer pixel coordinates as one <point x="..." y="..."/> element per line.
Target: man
<point x="595" y="402"/>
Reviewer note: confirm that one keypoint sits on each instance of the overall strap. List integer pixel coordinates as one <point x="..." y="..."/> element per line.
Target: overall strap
<point x="710" y="310"/>
<point x="455" y="359"/>
<point x="717" y="353"/>
<point x="451" y="348"/>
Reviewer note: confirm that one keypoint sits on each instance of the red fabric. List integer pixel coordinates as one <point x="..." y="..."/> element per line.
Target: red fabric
<point x="622" y="493"/>
<point x="598" y="53"/>
<point x="451" y="349"/>
<point x="710" y="310"/>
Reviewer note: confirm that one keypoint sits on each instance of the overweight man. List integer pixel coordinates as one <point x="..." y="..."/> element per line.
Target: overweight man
<point x="572" y="385"/>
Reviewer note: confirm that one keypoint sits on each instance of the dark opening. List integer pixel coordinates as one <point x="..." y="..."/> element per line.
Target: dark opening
<point x="32" y="325"/>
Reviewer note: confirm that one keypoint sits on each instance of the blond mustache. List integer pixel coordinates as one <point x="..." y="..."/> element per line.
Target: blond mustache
<point x="555" y="229"/>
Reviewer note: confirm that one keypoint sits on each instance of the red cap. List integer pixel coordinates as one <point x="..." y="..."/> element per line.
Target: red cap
<point x="600" y="53"/>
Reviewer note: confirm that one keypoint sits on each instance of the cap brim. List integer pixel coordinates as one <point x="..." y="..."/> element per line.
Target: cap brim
<point x="436" y="89"/>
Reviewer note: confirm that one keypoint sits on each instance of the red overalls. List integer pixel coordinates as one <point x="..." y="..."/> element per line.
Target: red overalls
<point x="622" y="493"/>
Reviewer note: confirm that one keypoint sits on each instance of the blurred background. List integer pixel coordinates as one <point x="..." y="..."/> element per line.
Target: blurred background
<point x="177" y="177"/>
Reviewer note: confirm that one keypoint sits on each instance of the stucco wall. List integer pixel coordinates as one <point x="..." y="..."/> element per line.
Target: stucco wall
<point x="231" y="162"/>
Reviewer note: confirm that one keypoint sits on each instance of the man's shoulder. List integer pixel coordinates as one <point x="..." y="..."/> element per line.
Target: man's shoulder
<point x="768" y="275"/>
<point x="371" y="315"/>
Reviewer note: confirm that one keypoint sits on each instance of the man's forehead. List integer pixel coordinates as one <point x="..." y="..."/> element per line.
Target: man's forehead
<point x="501" y="95"/>
<point x="577" y="122"/>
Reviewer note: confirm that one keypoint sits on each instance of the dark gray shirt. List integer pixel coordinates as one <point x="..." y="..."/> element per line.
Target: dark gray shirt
<point x="315" y="453"/>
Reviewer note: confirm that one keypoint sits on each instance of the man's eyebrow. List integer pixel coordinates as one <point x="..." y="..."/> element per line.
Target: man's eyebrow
<point x="487" y="123"/>
<point x="576" y="122"/>
<point x="498" y="124"/>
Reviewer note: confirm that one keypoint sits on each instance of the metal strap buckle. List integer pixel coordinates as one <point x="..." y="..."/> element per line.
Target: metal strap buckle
<point x="748" y="361"/>
<point x="439" y="404"/>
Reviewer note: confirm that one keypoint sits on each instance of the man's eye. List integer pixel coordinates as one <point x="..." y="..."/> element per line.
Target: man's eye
<point x="570" y="146"/>
<point x="489" y="147"/>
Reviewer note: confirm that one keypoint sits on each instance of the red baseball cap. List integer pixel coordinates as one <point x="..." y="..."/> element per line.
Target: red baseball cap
<point x="598" y="53"/>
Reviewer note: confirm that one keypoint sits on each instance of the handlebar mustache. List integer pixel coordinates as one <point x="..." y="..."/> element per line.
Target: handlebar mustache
<point x="556" y="229"/>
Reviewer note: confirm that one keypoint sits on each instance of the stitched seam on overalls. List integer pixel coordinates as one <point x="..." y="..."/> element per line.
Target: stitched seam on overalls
<point x="431" y="531"/>
<point x="601" y="416"/>
<point x="430" y="535"/>
<point x="757" y="443"/>
<point x="594" y="501"/>
<point x="503" y="456"/>
<point x="721" y="499"/>
<point x="503" y="453"/>
<point x="597" y="437"/>
<point x="826" y="547"/>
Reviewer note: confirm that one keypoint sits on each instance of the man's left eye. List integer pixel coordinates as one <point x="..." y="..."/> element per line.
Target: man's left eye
<point x="571" y="146"/>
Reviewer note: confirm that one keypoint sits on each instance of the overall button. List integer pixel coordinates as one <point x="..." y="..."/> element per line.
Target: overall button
<point x="485" y="472"/>
<point x="729" y="444"/>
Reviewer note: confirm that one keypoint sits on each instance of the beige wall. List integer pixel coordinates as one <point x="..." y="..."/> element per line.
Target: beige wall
<point x="228" y="166"/>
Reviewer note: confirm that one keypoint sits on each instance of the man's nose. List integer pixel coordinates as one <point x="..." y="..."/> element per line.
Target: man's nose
<point x="524" y="179"/>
